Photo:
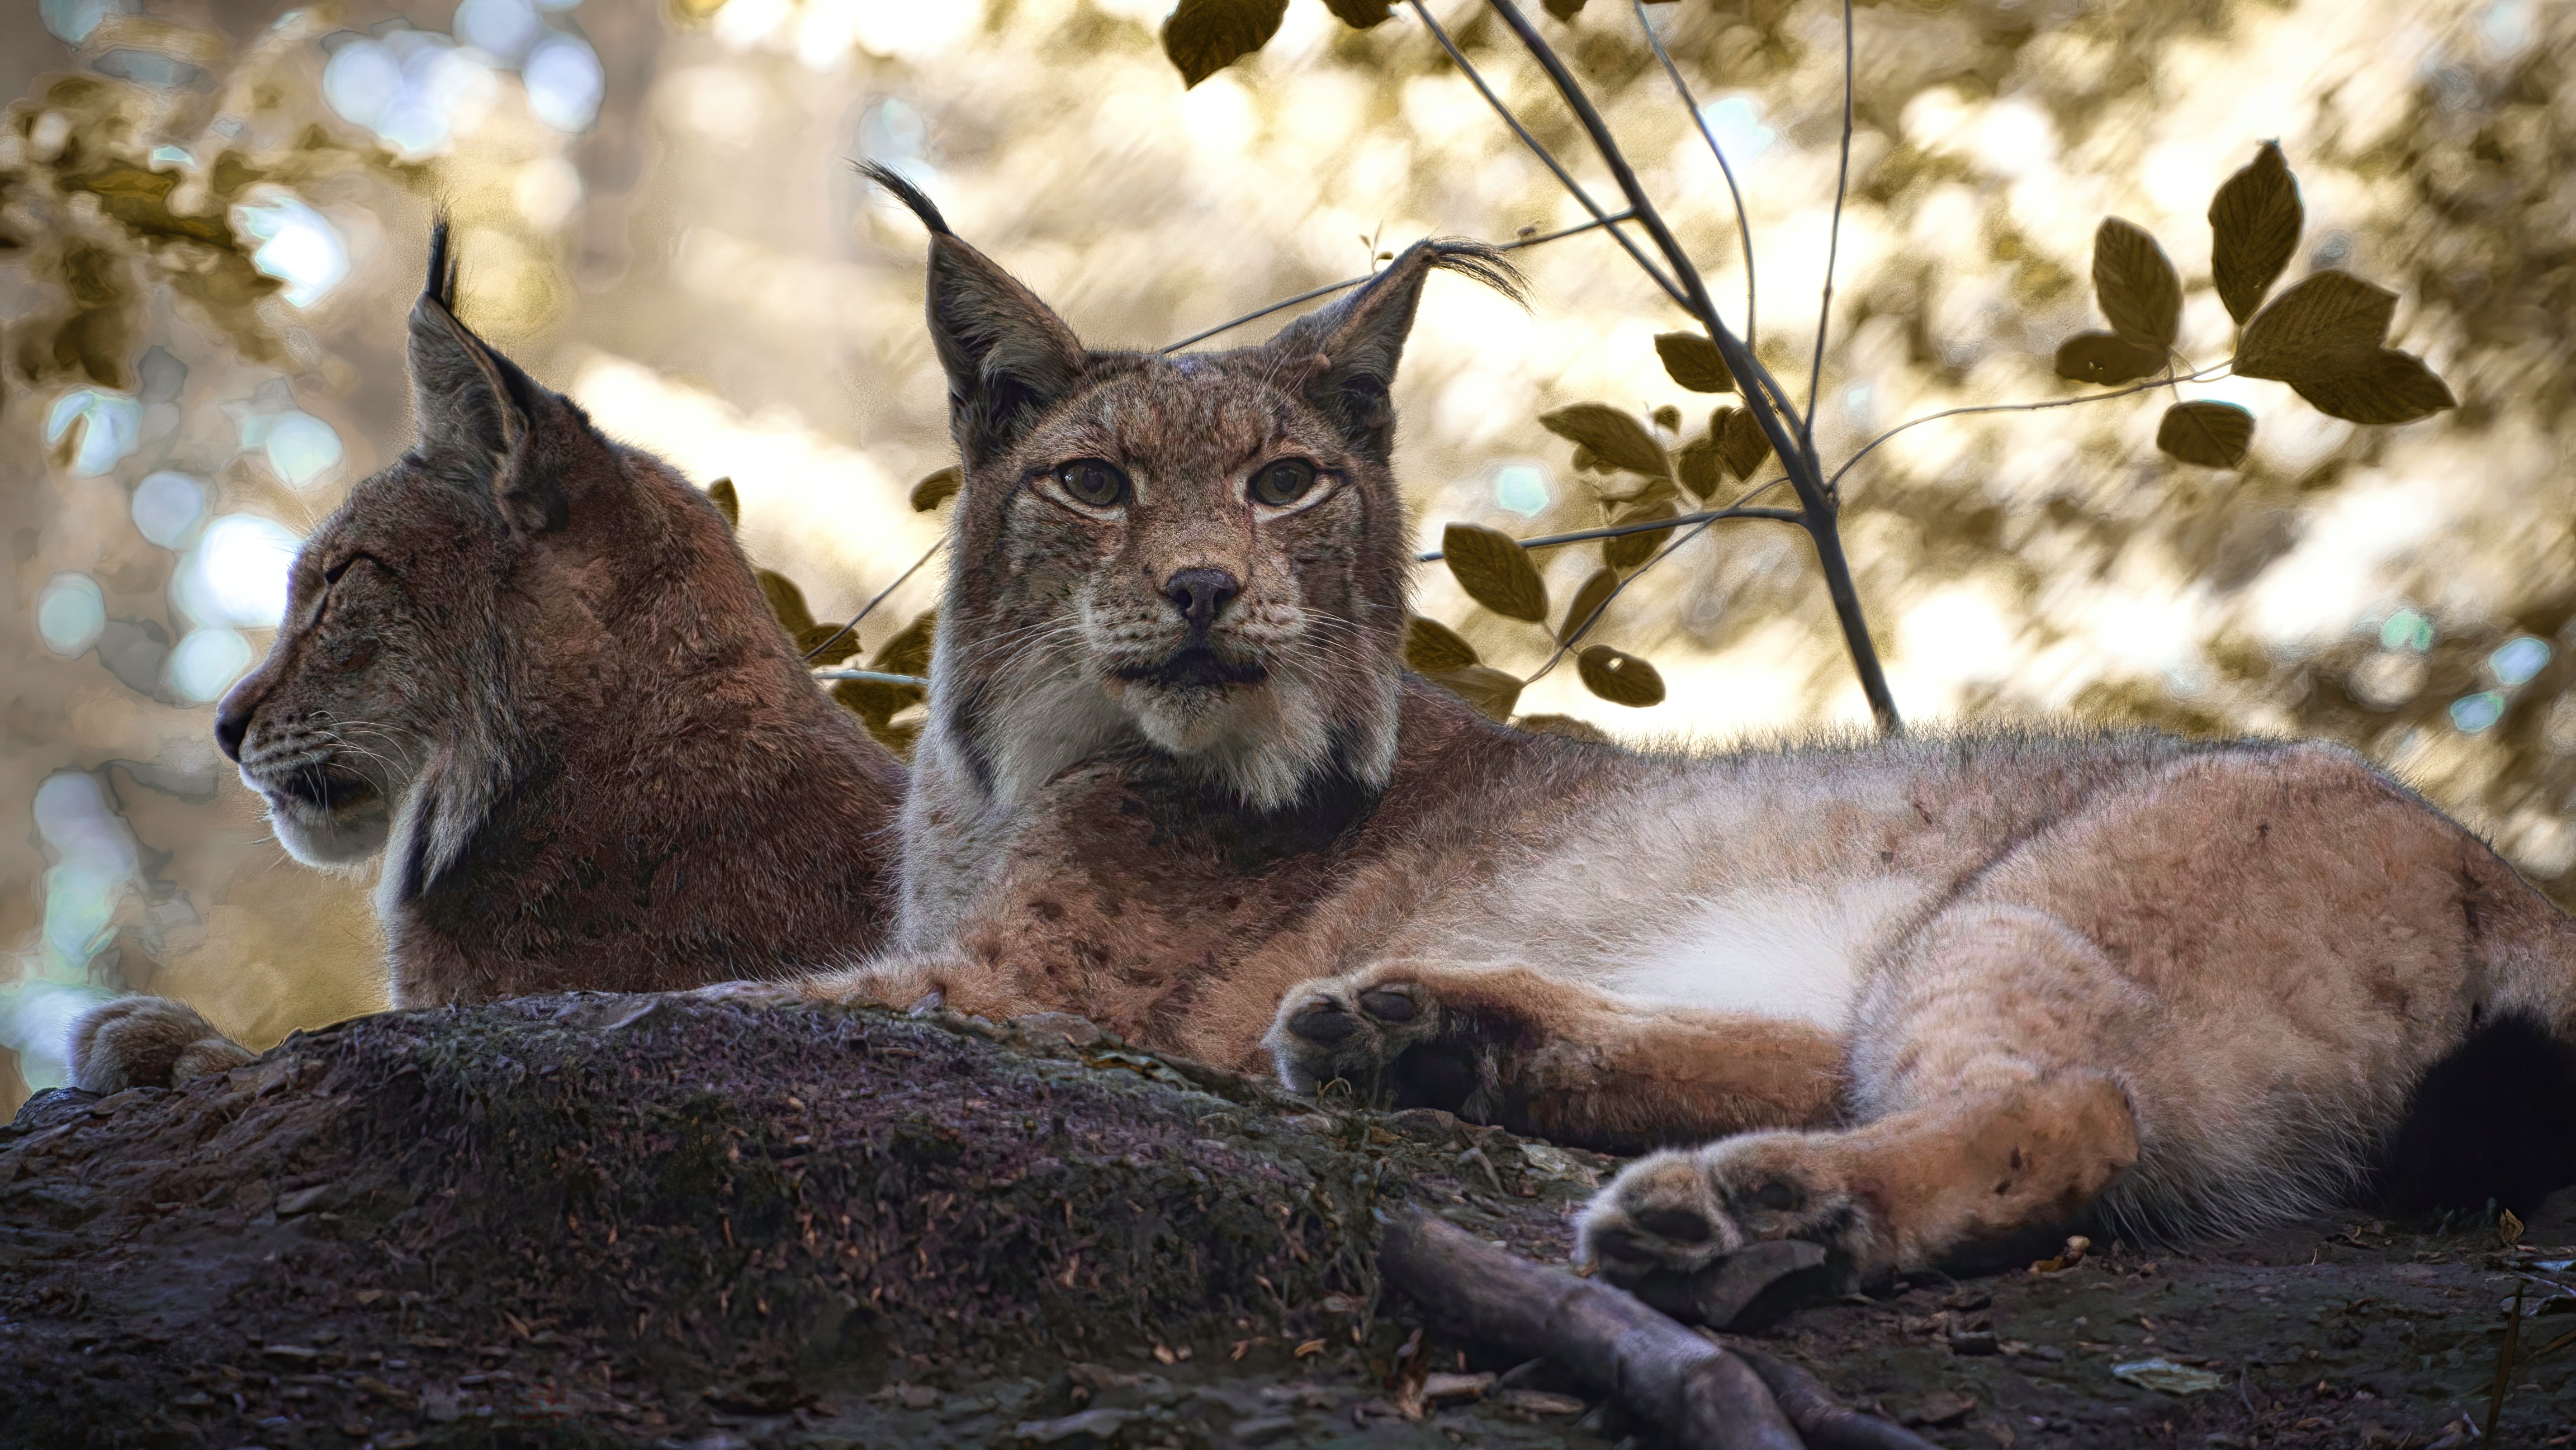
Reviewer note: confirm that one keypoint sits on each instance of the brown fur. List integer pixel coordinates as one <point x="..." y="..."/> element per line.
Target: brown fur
<point x="531" y="667"/>
<point x="1898" y="996"/>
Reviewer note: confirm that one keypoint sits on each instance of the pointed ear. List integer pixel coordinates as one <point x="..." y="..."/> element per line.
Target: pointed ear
<point x="477" y="413"/>
<point x="1344" y="356"/>
<point x="1008" y="356"/>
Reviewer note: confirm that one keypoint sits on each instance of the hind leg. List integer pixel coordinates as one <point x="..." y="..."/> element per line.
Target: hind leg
<point x="2202" y="1000"/>
<point x="1980" y="1123"/>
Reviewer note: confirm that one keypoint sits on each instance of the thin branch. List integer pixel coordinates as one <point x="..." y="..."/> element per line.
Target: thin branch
<point x="1743" y="223"/>
<point x="1735" y="510"/>
<point x="1476" y="78"/>
<point x="2204" y="375"/>
<point x="832" y="674"/>
<point x="1613" y="531"/>
<point x="870" y="607"/>
<point x="1833" y="248"/>
<point x="1347" y="283"/>
<point x="1768" y="400"/>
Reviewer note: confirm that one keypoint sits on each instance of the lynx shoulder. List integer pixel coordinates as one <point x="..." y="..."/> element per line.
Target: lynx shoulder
<point x="1897" y="996"/>
<point x="530" y="669"/>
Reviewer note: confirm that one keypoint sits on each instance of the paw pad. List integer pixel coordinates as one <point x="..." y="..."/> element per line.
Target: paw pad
<point x="1324" y="1023"/>
<point x="1388" y="1006"/>
<point x="1678" y="1224"/>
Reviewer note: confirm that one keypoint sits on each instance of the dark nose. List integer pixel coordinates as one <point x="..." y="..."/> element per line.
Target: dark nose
<point x="1201" y="595"/>
<point x="232" y="722"/>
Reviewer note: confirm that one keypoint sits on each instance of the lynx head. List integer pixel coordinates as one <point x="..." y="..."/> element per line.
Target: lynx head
<point x="1204" y="553"/>
<point x="431" y="621"/>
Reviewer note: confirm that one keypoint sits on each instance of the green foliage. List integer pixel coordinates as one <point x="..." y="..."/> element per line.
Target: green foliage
<point x="1495" y="571"/>
<point x="728" y="503"/>
<point x="2214" y="435"/>
<point x="936" y="489"/>
<point x="1621" y="679"/>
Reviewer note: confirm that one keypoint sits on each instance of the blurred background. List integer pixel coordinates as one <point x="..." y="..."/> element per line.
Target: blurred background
<point x="213" y="214"/>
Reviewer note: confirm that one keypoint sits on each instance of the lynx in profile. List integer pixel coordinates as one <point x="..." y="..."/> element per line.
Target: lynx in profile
<point x="530" y="668"/>
<point x="1898" y="996"/>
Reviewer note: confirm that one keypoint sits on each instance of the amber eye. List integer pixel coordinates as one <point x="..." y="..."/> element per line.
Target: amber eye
<point x="1093" y="482"/>
<point x="1284" y="482"/>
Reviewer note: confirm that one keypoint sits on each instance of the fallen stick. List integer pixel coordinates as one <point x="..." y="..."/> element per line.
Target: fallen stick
<point x="1699" y="1393"/>
<point x="1827" y="1423"/>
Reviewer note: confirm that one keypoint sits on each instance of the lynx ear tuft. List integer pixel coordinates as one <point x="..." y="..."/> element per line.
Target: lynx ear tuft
<point x="1349" y="350"/>
<point x="476" y="411"/>
<point x="1008" y="356"/>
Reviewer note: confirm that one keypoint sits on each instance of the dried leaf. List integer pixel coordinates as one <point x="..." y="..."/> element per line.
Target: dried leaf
<point x="1596" y="592"/>
<point x="2136" y="284"/>
<point x="1613" y="433"/>
<point x="786" y="601"/>
<point x="908" y="653"/>
<point x="1697" y="465"/>
<point x="1203" y="37"/>
<point x="1587" y="461"/>
<point x="1492" y="692"/>
<point x="1627" y="551"/>
<point x="2388" y="386"/>
<point x="2213" y="435"/>
<point x="826" y="643"/>
<point x="1741" y="443"/>
<point x="1621" y="679"/>
<point x="728" y="503"/>
<point x="1359" y="14"/>
<point x="936" y="489"/>
<point x="2103" y="357"/>
<point x="1431" y="648"/>
<point x="2330" y="323"/>
<point x="1693" y="361"/>
<point x="1565" y="725"/>
<point x="2254" y="223"/>
<point x="1494" y="571"/>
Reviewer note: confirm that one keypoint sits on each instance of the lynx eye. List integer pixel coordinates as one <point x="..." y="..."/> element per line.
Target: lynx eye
<point x="1093" y="482"/>
<point x="1284" y="482"/>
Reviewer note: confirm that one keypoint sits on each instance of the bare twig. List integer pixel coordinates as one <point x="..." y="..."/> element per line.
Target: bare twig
<point x="834" y="674"/>
<point x="1762" y="392"/>
<point x="870" y="607"/>
<point x="1697" y="1392"/>
<point x="1613" y="531"/>
<point x="1735" y="510"/>
<point x="1564" y="177"/>
<point x="2203" y="375"/>
<point x="1743" y="222"/>
<point x="1833" y="247"/>
<point x="2504" y="1365"/>
<point x="1347" y="283"/>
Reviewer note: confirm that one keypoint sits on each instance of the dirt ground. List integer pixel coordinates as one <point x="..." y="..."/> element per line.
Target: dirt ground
<point x="626" y="1222"/>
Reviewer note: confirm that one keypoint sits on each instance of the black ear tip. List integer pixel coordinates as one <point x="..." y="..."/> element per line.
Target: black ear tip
<point x="1480" y="261"/>
<point x="441" y="286"/>
<point x="909" y="194"/>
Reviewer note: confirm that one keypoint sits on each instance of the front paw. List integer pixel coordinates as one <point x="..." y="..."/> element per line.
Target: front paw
<point x="1385" y="1034"/>
<point x="147" y="1042"/>
<point x="1676" y="1212"/>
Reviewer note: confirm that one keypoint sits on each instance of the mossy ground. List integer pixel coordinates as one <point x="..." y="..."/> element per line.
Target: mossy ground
<point x="625" y="1221"/>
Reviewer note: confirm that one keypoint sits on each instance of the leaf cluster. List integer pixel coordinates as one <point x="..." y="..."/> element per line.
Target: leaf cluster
<point x="2326" y="336"/>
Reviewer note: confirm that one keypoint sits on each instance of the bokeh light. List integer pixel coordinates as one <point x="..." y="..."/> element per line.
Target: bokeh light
<point x="168" y="507"/>
<point x="1522" y="488"/>
<point x="235" y="577"/>
<point x="71" y="611"/>
<point x="298" y="246"/>
<point x="206" y="663"/>
<point x="302" y="448"/>
<point x="111" y="424"/>
<point x="564" y="82"/>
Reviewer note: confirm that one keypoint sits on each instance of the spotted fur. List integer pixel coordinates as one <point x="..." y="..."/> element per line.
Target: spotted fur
<point x="1900" y="996"/>
<point x="529" y="668"/>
